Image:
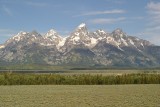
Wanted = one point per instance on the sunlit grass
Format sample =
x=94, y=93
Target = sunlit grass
x=80, y=96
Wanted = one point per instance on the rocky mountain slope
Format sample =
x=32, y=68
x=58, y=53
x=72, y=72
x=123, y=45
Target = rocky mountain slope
x=80, y=48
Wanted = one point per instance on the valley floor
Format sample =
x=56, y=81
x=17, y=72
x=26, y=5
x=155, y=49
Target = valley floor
x=80, y=96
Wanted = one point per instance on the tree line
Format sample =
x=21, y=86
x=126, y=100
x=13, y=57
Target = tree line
x=9, y=78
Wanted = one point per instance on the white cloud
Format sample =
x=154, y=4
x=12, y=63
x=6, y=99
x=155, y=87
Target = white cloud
x=154, y=12
x=152, y=30
x=7, y=10
x=153, y=6
x=116, y=11
x=107, y=20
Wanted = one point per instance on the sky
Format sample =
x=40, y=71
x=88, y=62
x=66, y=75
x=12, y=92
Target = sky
x=140, y=18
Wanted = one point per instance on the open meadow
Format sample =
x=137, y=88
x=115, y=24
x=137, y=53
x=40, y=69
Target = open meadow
x=80, y=96
x=81, y=88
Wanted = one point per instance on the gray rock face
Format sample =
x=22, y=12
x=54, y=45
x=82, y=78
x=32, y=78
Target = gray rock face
x=82, y=48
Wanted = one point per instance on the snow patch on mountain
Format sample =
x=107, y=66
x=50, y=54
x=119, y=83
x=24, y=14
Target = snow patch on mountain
x=142, y=45
x=131, y=42
x=52, y=34
x=19, y=36
x=82, y=25
x=77, y=34
x=124, y=42
x=62, y=42
x=76, y=38
x=47, y=44
x=93, y=41
x=120, y=48
x=2, y=46
x=109, y=39
x=102, y=31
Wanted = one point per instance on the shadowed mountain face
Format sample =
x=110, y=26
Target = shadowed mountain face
x=80, y=48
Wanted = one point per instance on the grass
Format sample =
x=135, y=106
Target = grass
x=80, y=96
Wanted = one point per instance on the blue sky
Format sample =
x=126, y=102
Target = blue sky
x=139, y=18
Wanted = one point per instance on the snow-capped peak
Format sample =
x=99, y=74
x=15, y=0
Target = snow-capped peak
x=118, y=30
x=118, y=33
x=22, y=32
x=34, y=32
x=82, y=25
x=19, y=35
x=52, y=34
x=53, y=38
x=81, y=30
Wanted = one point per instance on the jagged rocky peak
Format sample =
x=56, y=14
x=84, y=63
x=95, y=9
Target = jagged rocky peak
x=17, y=37
x=80, y=31
x=22, y=33
x=79, y=36
x=35, y=33
x=118, y=33
x=53, y=38
x=99, y=34
x=52, y=34
x=82, y=27
x=118, y=30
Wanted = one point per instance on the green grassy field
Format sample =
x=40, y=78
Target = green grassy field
x=80, y=96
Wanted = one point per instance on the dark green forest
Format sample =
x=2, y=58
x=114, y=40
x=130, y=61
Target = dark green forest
x=9, y=78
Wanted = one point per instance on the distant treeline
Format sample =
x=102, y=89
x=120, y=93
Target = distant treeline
x=67, y=67
x=116, y=68
x=80, y=79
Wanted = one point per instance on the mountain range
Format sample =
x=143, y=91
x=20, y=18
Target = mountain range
x=80, y=48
